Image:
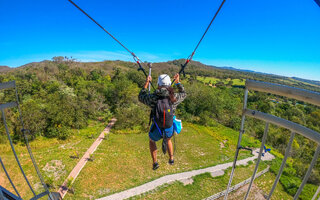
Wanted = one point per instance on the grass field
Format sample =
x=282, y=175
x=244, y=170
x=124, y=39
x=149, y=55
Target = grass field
x=241, y=82
x=225, y=81
x=123, y=161
x=52, y=157
x=204, y=186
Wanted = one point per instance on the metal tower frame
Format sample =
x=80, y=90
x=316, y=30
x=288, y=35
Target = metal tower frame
x=26, y=132
x=286, y=91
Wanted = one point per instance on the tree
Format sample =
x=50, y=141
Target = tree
x=230, y=83
x=58, y=59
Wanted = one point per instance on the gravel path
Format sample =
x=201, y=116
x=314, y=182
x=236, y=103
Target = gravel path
x=184, y=177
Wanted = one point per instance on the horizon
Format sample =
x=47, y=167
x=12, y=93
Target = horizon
x=223, y=67
x=254, y=36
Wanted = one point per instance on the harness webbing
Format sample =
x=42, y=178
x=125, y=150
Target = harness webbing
x=164, y=116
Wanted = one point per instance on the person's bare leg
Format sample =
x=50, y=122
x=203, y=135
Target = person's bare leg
x=153, y=150
x=170, y=148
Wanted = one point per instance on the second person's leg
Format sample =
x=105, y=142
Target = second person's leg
x=170, y=148
x=153, y=150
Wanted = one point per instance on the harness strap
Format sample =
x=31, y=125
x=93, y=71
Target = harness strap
x=163, y=135
x=164, y=116
x=154, y=121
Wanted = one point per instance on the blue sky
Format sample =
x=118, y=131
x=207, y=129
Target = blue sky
x=280, y=37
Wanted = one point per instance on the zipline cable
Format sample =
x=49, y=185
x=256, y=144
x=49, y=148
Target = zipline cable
x=135, y=58
x=150, y=67
x=104, y=29
x=195, y=49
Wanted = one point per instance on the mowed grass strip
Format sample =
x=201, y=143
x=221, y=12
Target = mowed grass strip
x=123, y=161
x=52, y=157
x=214, y=80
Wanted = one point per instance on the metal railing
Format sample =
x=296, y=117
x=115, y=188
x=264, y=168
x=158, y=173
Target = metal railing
x=286, y=91
x=15, y=104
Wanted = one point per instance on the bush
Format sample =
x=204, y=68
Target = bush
x=3, y=139
x=308, y=191
x=60, y=132
x=291, y=184
x=289, y=171
x=275, y=165
x=132, y=116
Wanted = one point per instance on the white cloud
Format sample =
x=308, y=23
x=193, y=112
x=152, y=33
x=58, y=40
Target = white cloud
x=95, y=56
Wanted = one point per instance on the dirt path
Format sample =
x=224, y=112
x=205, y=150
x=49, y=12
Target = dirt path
x=185, y=177
x=77, y=169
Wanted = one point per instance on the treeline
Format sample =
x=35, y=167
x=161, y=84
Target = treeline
x=302, y=150
x=205, y=105
x=57, y=96
x=197, y=68
x=63, y=94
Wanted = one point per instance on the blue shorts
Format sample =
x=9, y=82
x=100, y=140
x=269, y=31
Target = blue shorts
x=154, y=134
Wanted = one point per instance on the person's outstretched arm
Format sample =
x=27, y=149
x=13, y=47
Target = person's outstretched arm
x=181, y=95
x=145, y=97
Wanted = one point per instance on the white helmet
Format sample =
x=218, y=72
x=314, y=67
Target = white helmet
x=164, y=80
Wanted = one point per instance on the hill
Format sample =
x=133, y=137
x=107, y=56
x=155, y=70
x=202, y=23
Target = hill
x=61, y=96
x=4, y=68
x=307, y=81
x=172, y=67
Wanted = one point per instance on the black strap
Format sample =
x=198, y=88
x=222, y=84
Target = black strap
x=151, y=116
x=174, y=143
x=237, y=154
x=144, y=72
x=245, y=148
x=164, y=142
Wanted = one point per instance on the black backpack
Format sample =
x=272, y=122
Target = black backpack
x=163, y=113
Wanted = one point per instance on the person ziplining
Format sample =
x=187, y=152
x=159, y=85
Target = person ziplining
x=163, y=103
x=136, y=59
x=163, y=100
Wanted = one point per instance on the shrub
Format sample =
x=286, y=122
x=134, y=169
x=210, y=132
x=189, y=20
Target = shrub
x=132, y=116
x=308, y=191
x=291, y=184
x=60, y=132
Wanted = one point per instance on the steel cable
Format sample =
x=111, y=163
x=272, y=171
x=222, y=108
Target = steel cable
x=190, y=57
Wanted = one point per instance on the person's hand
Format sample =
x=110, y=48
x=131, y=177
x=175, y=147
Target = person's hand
x=149, y=79
x=177, y=78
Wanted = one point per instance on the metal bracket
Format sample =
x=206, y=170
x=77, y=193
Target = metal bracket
x=27, y=131
x=182, y=69
x=245, y=148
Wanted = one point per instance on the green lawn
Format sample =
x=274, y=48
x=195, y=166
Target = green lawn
x=55, y=153
x=225, y=81
x=123, y=161
x=204, y=186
